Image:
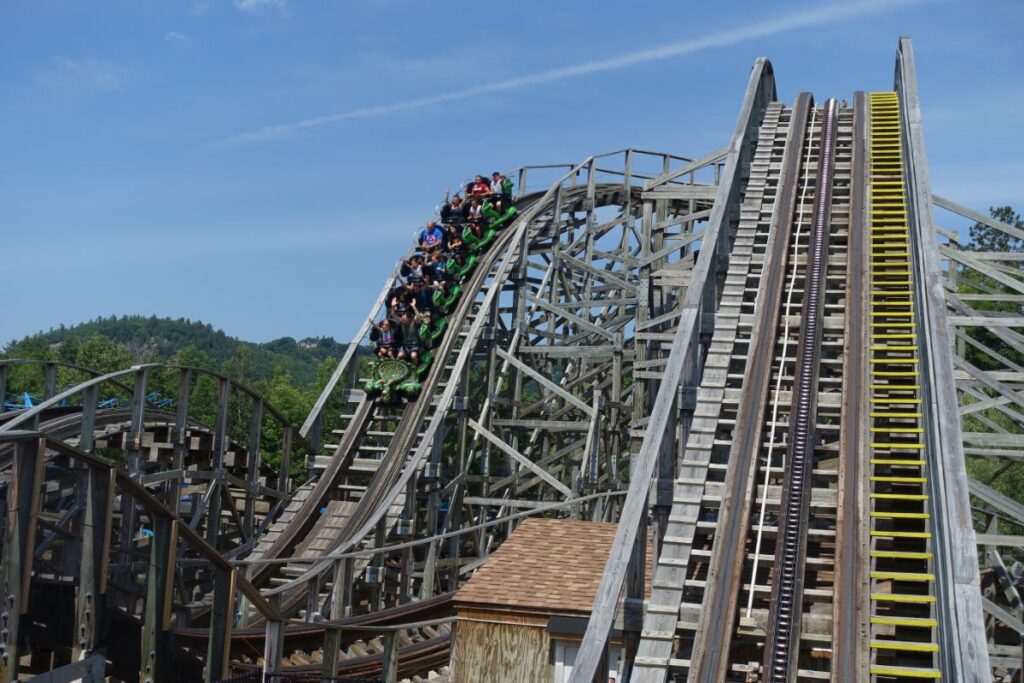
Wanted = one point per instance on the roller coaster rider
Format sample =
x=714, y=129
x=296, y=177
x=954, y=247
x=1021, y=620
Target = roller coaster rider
x=399, y=300
x=438, y=269
x=386, y=337
x=409, y=331
x=415, y=268
x=432, y=237
x=480, y=187
x=501, y=191
x=422, y=300
x=453, y=210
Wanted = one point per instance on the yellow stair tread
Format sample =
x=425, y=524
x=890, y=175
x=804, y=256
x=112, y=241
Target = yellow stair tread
x=900, y=515
x=899, y=496
x=900, y=534
x=900, y=555
x=902, y=597
x=905, y=672
x=923, y=622
x=906, y=645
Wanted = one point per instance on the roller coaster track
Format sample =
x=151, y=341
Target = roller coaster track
x=777, y=342
x=788, y=577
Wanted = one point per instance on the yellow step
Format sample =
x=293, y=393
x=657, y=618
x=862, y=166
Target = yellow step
x=904, y=645
x=905, y=672
x=900, y=534
x=901, y=555
x=899, y=496
x=921, y=622
x=901, y=515
x=902, y=597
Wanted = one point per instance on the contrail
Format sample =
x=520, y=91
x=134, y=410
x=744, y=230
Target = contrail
x=800, y=19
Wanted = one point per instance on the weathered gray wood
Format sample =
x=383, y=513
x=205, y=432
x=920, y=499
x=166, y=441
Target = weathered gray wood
x=218, y=652
x=544, y=381
x=1001, y=539
x=1003, y=615
x=156, y=655
x=760, y=91
x=19, y=539
x=520, y=458
x=91, y=599
x=957, y=575
x=977, y=217
x=92, y=669
x=390, y=658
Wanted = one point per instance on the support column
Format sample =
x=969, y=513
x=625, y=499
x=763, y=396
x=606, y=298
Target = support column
x=341, y=607
x=273, y=644
x=91, y=602
x=156, y=651
x=19, y=539
x=390, y=657
x=180, y=438
x=252, y=476
x=222, y=620
x=220, y=446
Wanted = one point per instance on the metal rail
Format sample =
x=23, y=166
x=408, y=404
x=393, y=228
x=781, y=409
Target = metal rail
x=784, y=621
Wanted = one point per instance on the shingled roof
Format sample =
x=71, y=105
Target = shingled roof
x=550, y=565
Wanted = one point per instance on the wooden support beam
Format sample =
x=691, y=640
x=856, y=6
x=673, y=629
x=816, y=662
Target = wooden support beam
x=91, y=609
x=252, y=473
x=273, y=646
x=1001, y=539
x=50, y=381
x=221, y=440
x=977, y=217
x=1003, y=615
x=222, y=619
x=163, y=548
x=90, y=398
x=180, y=438
x=520, y=458
x=19, y=539
x=92, y=669
x=570, y=317
x=544, y=381
x=390, y=657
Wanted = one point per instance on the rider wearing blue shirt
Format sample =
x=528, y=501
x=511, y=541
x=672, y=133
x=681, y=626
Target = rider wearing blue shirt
x=431, y=237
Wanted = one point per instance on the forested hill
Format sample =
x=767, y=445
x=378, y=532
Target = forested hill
x=151, y=339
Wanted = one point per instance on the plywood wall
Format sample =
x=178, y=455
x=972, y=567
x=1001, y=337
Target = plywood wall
x=500, y=653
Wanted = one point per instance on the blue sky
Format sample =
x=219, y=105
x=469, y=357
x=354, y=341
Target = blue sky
x=260, y=164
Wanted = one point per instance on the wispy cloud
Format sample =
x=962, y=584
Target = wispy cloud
x=85, y=75
x=805, y=18
x=261, y=5
x=179, y=39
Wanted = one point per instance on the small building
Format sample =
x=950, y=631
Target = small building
x=522, y=616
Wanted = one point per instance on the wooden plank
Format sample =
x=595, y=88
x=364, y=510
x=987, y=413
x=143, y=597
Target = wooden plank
x=520, y=458
x=967, y=654
x=986, y=320
x=571, y=317
x=544, y=381
x=760, y=90
x=950, y=205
